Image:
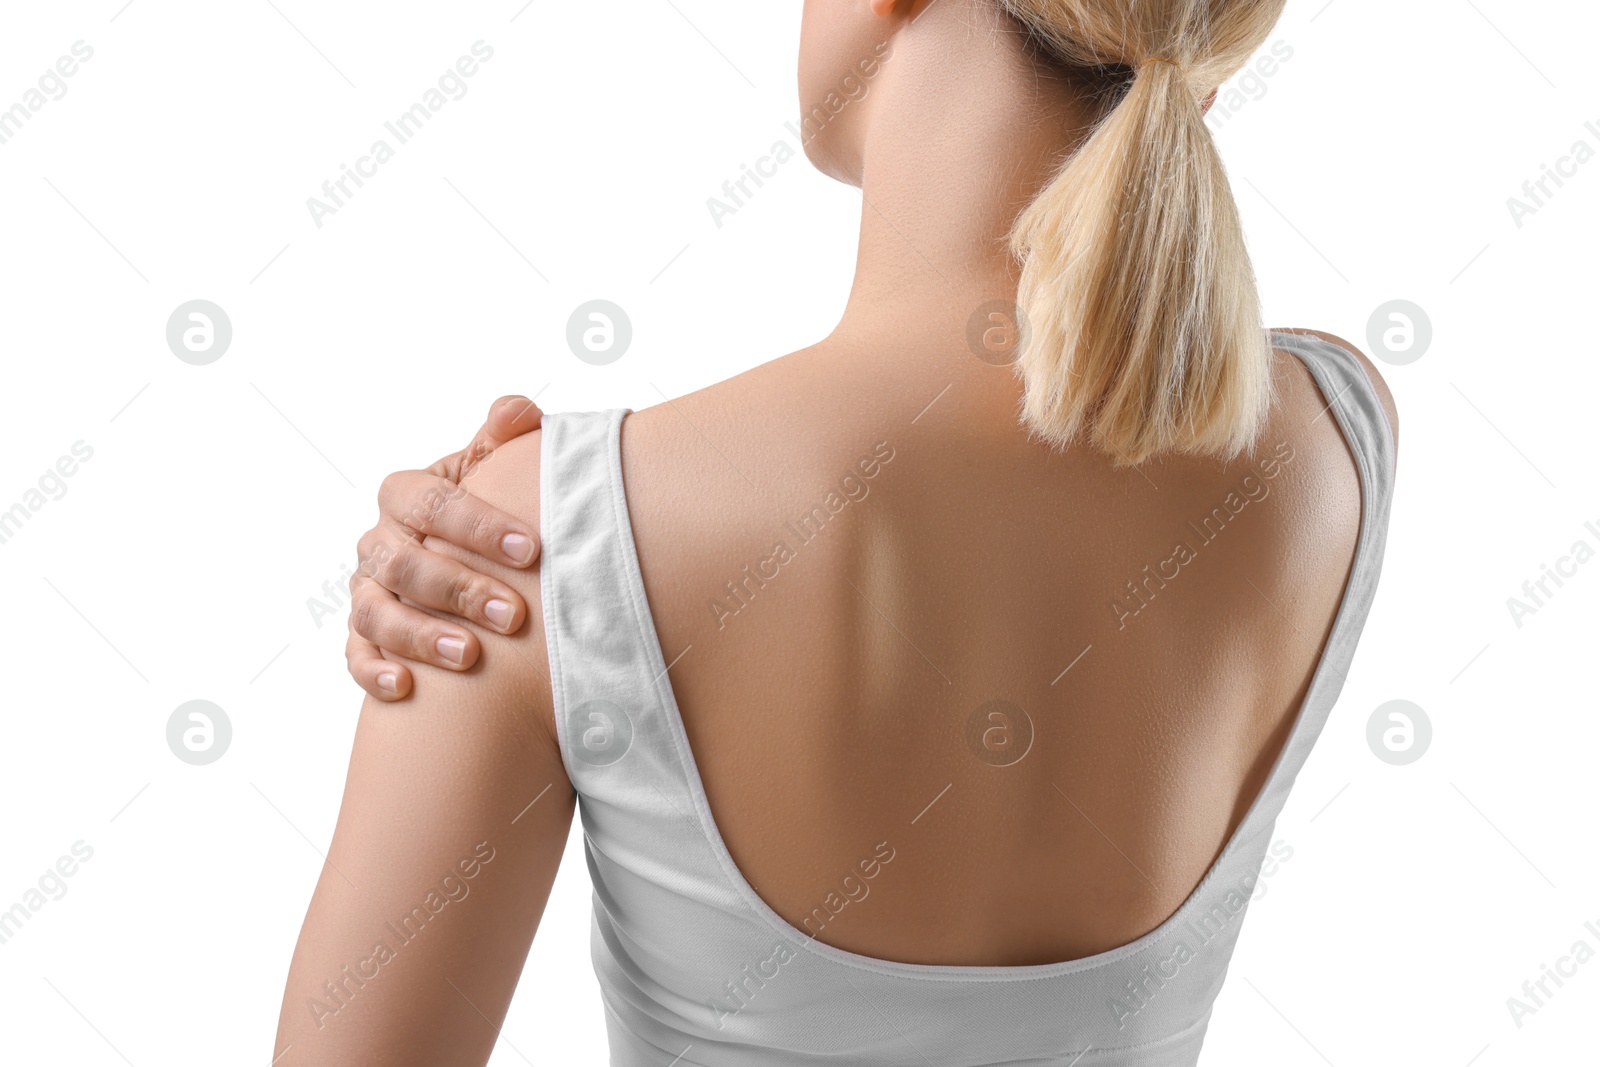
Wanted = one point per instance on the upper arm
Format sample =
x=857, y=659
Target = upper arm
x=455, y=816
x=1379, y=386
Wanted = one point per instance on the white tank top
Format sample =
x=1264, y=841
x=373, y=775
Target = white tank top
x=697, y=971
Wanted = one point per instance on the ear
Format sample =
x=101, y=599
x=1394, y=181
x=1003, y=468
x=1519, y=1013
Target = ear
x=1211, y=98
x=886, y=7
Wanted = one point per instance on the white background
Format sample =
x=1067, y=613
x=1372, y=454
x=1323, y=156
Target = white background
x=1375, y=164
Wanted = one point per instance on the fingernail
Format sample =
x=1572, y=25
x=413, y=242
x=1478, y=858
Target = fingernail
x=517, y=546
x=453, y=649
x=389, y=682
x=498, y=612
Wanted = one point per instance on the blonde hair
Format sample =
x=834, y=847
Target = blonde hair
x=1145, y=323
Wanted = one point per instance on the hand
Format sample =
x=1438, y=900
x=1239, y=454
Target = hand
x=394, y=564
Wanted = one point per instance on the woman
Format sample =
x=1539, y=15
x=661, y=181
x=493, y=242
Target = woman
x=905, y=731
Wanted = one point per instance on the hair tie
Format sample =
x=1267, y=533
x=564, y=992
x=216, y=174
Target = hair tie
x=1162, y=59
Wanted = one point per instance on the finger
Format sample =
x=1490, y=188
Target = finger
x=449, y=467
x=410, y=632
x=433, y=580
x=383, y=679
x=430, y=505
x=509, y=417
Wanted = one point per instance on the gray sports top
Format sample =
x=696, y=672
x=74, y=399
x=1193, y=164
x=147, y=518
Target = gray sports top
x=695, y=969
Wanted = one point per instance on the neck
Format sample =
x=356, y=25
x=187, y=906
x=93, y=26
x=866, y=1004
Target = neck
x=960, y=132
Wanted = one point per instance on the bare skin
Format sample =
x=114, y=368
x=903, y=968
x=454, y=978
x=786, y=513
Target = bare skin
x=830, y=711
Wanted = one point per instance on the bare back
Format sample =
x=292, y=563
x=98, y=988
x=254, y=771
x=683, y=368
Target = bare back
x=953, y=699
x=1034, y=692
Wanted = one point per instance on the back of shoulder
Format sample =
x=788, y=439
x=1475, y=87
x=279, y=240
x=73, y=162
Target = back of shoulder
x=1379, y=386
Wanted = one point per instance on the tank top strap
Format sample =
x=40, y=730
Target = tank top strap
x=1353, y=403
x=605, y=661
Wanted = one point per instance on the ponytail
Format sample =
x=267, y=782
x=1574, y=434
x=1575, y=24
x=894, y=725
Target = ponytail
x=1145, y=323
